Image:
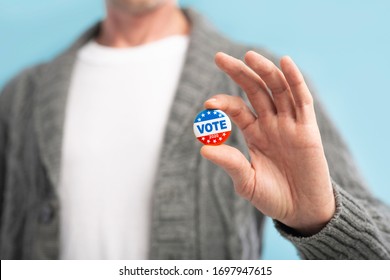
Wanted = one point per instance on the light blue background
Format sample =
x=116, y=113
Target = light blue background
x=342, y=45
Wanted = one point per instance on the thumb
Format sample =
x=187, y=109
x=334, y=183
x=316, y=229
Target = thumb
x=235, y=164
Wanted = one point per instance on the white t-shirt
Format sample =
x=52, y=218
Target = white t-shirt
x=117, y=109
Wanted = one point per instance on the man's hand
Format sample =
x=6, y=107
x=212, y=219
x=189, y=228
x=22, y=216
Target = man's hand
x=288, y=177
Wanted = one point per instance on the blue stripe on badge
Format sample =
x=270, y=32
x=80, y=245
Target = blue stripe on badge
x=207, y=115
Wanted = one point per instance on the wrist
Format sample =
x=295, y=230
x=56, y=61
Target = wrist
x=314, y=219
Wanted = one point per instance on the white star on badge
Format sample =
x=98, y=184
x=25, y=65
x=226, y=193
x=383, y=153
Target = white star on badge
x=220, y=138
x=208, y=141
x=208, y=112
x=203, y=138
x=219, y=115
x=203, y=115
x=224, y=134
x=199, y=119
x=215, y=141
x=215, y=113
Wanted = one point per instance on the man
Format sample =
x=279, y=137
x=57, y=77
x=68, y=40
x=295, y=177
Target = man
x=98, y=159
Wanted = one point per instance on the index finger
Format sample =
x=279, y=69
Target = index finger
x=235, y=107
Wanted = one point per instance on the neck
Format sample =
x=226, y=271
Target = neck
x=123, y=29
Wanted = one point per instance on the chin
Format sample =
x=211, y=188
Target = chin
x=137, y=6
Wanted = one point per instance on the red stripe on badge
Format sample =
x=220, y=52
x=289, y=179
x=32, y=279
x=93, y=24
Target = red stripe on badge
x=214, y=139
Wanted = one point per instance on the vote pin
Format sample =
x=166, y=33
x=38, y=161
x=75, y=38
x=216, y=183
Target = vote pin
x=212, y=127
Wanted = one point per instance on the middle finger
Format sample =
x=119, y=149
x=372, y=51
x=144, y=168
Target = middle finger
x=274, y=80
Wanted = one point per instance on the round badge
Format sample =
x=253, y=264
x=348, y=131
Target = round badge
x=212, y=127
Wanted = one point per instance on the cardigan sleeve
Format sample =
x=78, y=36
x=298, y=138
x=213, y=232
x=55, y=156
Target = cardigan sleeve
x=3, y=138
x=358, y=230
x=5, y=95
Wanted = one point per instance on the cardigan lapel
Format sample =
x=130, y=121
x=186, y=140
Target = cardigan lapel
x=50, y=106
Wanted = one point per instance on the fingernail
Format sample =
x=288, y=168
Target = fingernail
x=211, y=100
x=289, y=59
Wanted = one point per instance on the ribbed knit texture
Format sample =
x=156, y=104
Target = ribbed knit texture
x=351, y=234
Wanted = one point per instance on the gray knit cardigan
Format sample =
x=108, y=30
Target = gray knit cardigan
x=196, y=213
